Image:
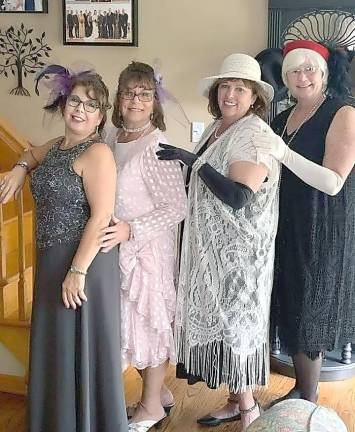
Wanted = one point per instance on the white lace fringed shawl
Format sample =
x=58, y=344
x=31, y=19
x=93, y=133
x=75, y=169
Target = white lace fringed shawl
x=226, y=274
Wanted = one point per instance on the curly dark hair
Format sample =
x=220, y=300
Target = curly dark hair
x=92, y=82
x=260, y=106
x=143, y=75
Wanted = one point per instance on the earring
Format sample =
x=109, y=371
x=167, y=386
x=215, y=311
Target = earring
x=97, y=129
x=151, y=116
x=288, y=97
x=252, y=106
x=120, y=118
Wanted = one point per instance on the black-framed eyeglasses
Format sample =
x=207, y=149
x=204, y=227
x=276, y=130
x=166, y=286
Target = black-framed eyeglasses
x=90, y=105
x=143, y=96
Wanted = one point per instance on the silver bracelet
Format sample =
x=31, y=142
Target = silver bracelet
x=197, y=164
x=76, y=270
x=24, y=165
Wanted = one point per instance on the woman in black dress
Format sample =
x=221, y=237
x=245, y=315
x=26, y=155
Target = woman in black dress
x=75, y=380
x=315, y=270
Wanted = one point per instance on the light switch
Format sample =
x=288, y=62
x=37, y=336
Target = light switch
x=197, y=129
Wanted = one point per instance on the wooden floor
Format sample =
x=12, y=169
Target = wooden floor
x=197, y=400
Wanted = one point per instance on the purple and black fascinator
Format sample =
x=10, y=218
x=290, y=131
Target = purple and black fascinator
x=59, y=80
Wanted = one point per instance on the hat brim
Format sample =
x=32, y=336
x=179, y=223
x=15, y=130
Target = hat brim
x=206, y=83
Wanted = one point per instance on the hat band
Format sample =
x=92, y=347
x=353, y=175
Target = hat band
x=307, y=44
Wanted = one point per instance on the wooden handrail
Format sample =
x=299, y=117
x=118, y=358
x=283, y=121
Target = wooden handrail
x=12, y=138
x=21, y=284
x=2, y=244
x=2, y=260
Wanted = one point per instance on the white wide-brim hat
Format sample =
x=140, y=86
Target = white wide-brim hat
x=238, y=66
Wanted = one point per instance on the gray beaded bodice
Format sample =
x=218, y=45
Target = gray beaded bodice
x=62, y=209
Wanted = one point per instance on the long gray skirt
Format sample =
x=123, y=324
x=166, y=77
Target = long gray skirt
x=75, y=361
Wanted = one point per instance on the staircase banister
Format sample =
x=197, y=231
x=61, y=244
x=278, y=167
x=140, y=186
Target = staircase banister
x=12, y=138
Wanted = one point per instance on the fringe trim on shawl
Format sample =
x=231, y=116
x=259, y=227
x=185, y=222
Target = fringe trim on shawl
x=239, y=373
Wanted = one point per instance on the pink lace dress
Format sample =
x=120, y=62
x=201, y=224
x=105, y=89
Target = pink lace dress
x=151, y=197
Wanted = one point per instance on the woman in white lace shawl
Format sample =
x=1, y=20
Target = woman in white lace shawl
x=222, y=318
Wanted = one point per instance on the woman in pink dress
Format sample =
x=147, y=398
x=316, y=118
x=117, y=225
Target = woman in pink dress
x=151, y=202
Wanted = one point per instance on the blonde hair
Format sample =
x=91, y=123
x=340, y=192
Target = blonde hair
x=299, y=56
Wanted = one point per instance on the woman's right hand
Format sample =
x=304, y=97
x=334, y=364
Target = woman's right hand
x=115, y=234
x=12, y=183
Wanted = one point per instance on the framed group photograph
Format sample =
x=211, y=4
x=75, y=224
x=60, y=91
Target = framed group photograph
x=100, y=22
x=27, y=6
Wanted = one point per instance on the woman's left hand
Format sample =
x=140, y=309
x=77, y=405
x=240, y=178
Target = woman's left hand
x=73, y=290
x=114, y=234
x=175, y=153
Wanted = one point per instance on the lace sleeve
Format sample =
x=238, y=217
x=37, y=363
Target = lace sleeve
x=165, y=184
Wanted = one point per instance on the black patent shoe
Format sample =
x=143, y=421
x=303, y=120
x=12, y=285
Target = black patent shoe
x=209, y=420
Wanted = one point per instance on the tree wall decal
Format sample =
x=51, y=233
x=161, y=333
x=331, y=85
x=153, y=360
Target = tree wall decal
x=21, y=56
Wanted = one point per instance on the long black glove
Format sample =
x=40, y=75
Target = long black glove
x=173, y=153
x=235, y=194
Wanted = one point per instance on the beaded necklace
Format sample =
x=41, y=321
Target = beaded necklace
x=306, y=118
x=138, y=129
x=141, y=135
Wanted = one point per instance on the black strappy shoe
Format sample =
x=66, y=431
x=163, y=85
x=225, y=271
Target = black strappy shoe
x=209, y=420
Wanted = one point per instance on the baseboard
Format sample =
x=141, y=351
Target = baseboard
x=13, y=384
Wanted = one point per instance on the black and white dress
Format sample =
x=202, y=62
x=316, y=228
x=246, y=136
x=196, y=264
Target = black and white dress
x=226, y=273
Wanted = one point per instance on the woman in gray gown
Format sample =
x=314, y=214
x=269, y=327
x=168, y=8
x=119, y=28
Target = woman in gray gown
x=75, y=380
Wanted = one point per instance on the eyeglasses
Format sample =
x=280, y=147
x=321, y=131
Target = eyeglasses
x=143, y=96
x=307, y=70
x=90, y=105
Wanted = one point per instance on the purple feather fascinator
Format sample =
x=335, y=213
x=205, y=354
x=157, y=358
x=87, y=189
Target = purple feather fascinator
x=165, y=97
x=58, y=80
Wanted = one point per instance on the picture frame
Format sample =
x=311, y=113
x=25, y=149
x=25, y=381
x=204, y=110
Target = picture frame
x=100, y=22
x=23, y=6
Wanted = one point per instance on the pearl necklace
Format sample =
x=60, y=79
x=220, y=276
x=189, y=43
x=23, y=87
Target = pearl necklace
x=141, y=135
x=139, y=129
x=306, y=118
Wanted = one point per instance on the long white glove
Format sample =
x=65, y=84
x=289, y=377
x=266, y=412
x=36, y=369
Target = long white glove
x=317, y=176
